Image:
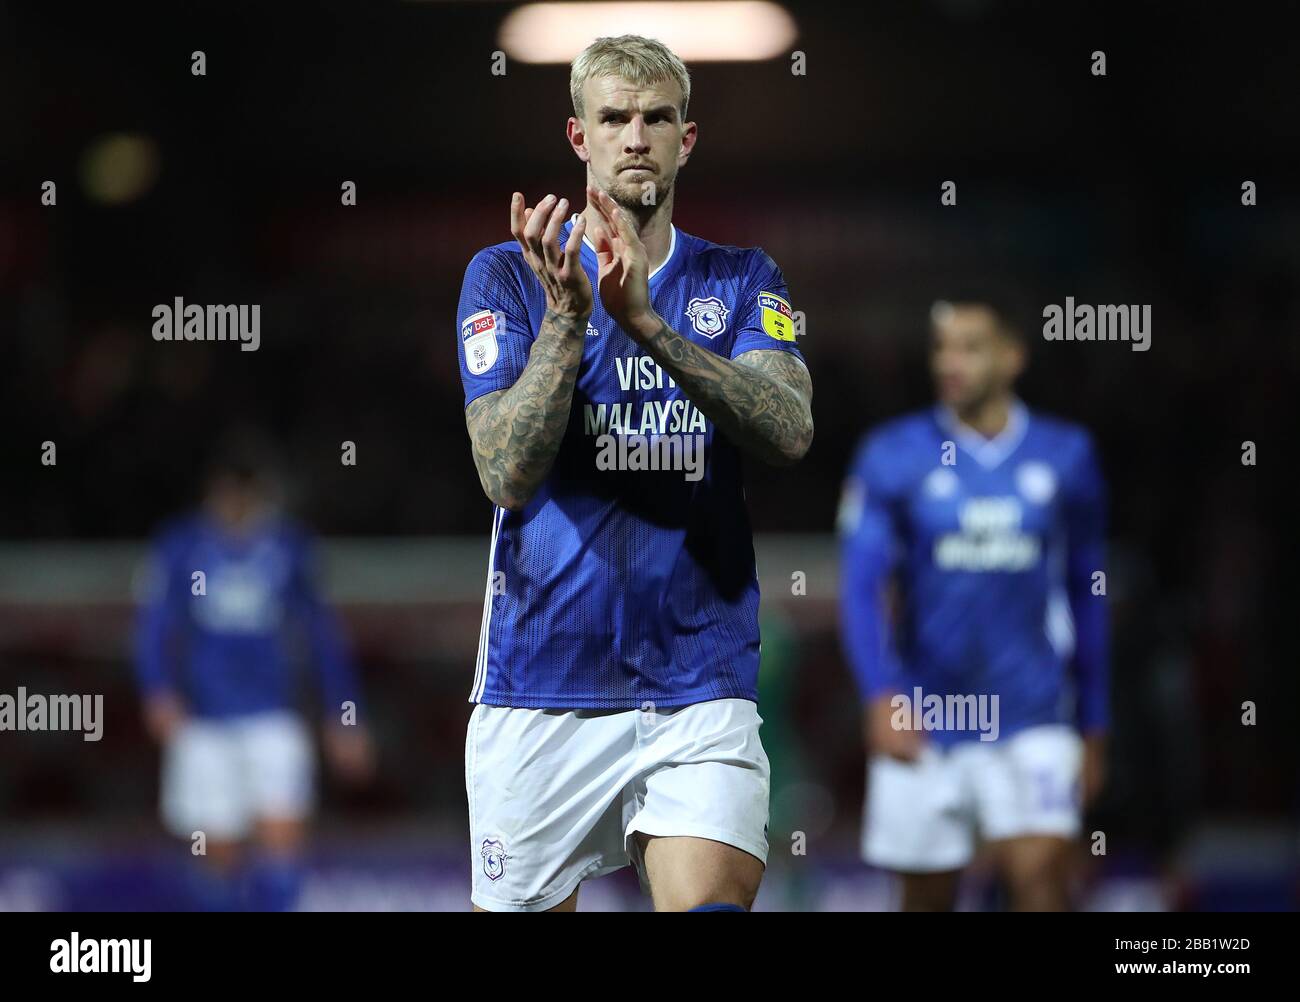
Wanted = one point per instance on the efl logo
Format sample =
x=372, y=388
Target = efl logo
x=479, y=336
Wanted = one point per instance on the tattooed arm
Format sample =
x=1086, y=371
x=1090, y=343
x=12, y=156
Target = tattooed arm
x=761, y=400
x=516, y=433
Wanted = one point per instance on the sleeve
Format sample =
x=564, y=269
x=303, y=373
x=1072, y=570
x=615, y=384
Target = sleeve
x=161, y=592
x=494, y=332
x=869, y=548
x=329, y=651
x=766, y=320
x=1085, y=515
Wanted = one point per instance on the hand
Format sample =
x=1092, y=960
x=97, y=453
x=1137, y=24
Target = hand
x=624, y=268
x=568, y=290
x=1093, y=777
x=350, y=752
x=164, y=713
x=883, y=738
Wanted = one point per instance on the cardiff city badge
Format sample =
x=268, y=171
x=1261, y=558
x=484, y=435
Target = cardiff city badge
x=708, y=316
x=494, y=856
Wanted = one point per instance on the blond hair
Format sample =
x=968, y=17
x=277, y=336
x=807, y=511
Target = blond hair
x=638, y=60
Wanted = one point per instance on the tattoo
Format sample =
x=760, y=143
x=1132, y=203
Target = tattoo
x=761, y=400
x=516, y=433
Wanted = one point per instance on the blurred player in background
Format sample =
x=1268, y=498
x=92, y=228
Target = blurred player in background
x=214, y=661
x=971, y=537
x=616, y=681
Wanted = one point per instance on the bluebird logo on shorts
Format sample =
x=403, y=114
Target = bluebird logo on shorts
x=494, y=858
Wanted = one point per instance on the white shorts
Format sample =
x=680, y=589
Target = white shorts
x=219, y=776
x=556, y=795
x=925, y=816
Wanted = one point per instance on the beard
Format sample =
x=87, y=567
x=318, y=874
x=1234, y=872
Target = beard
x=976, y=397
x=628, y=194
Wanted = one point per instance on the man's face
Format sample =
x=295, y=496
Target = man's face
x=236, y=501
x=970, y=358
x=633, y=138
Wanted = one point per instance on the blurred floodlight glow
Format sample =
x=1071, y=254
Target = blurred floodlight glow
x=724, y=31
x=119, y=168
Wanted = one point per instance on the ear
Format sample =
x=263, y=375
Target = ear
x=577, y=136
x=1017, y=359
x=690, y=134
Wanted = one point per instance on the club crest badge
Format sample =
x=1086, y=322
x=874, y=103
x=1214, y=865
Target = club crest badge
x=1036, y=482
x=494, y=858
x=708, y=316
x=940, y=483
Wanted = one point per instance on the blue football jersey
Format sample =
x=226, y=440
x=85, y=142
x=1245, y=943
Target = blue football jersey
x=623, y=583
x=228, y=643
x=995, y=546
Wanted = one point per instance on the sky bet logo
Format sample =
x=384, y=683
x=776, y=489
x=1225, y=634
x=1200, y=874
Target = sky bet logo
x=776, y=316
x=479, y=335
x=477, y=325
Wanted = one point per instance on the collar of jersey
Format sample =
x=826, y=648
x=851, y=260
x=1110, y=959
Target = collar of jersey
x=589, y=249
x=988, y=452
